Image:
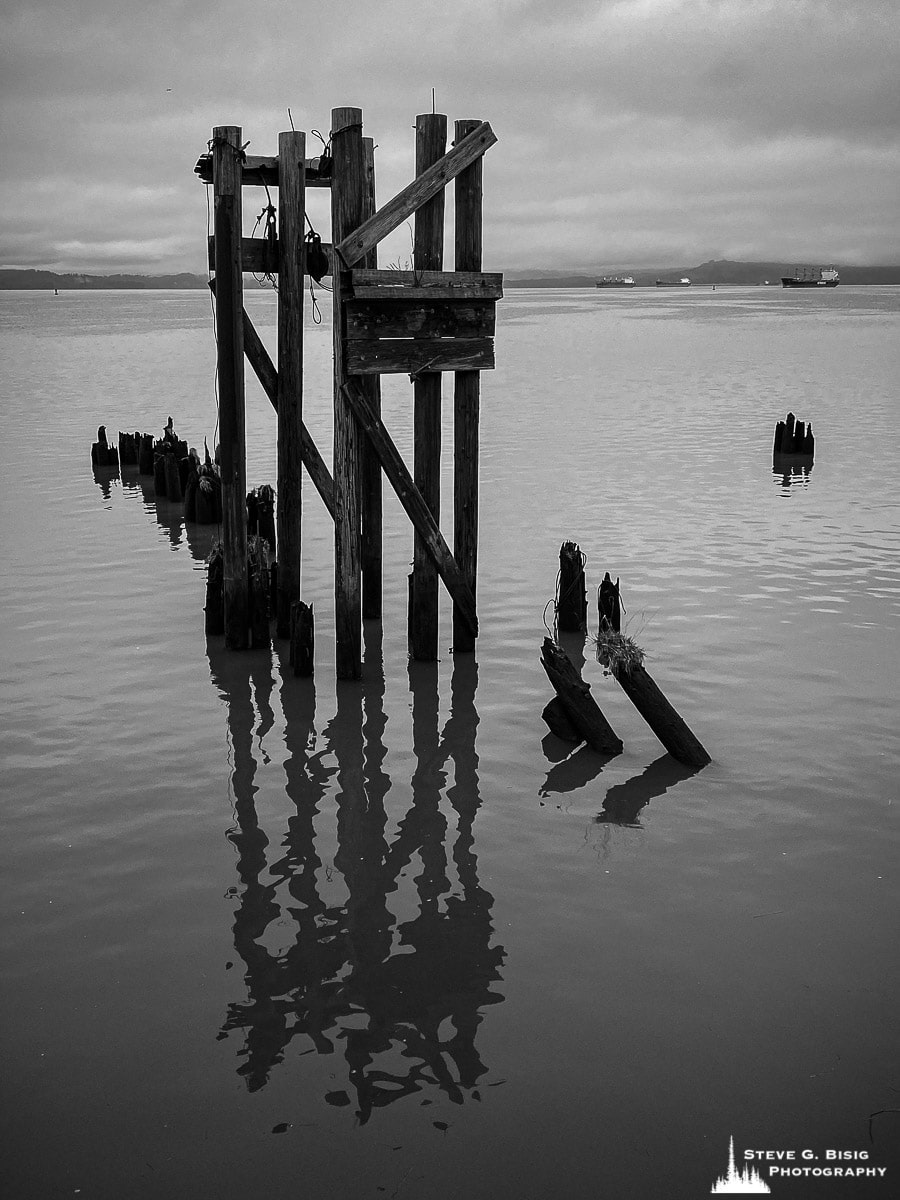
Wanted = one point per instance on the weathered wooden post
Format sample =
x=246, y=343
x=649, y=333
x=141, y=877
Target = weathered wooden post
x=226, y=156
x=577, y=704
x=349, y=189
x=372, y=501
x=571, y=603
x=291, y=216
x=466, y=393
x=428, y=255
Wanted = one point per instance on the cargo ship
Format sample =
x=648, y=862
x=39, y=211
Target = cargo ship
x=615, y=281
x=806, y=277
x=682, y=282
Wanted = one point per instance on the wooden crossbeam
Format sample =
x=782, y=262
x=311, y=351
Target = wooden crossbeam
x=258, y=358
x=254, y=254
x=388, y=218
x=411, y=498
x=416, y=356
x=262, y=171
x=403, y=319
x=404, y=286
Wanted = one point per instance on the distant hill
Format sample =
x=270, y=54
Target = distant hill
x=716, y=271
x=15, y=280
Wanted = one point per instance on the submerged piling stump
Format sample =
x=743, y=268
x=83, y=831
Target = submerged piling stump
x=302, y=638
x=621, y=658
x=580, y=707
x=215, y=591
x=173, y=478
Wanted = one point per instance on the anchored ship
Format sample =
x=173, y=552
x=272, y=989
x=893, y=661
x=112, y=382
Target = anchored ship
x=615, y=281
x=682, y=282
x=806, y=277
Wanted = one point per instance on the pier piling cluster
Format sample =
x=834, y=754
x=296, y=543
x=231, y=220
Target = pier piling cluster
x=573, y=714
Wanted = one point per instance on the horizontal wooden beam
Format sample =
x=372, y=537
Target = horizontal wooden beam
x=267, y=374
x=368, y=319
x=253, y=254
x=416, y=356
x=262, y=171
x=413, y=503
x=414, y=195
x=425, y=285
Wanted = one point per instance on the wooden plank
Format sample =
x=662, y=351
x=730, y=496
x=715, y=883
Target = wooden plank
x=415, y=355
x=262, y=171
x=372, y=493
x=369, y=233
x=291, y=220
x=468, y=222
x=348, y=201
x=264, y=368
x=425, y=286
x=230, y=370
x=254, y=257
x=371, y=319
x=428, y=255
x=409, y=496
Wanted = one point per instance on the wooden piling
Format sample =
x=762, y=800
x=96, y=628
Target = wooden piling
x=372, y=498
x=348, y=203
x=226, y=154
x=145, y=454
x=609, y=611
x=582, y=710
x=258, y=585
x=291, y=215
x=466, y=392
x=302, y=639
x=173, y=478
x=571, y=602
x=428, y=255
x=622, y=659
x=215, y=591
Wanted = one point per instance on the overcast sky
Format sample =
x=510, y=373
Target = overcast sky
x=638, y=133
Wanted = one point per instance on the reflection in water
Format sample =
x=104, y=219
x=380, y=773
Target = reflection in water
x=791, y=471
x=624, y=801
x=402, y=998
x=104, y=477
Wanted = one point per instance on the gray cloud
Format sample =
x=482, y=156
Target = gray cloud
x=629, y=132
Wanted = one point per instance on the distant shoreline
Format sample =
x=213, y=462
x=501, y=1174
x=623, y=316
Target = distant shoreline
x=722, y=272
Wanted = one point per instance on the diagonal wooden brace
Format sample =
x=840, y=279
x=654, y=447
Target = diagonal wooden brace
x=425, y=186
x=411, y=498
x=258, y=358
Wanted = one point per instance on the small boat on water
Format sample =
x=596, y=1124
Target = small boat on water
x=682, y=282
x=806, y=277
x=617, y=281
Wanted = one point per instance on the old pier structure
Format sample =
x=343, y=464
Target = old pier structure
x=420, y=322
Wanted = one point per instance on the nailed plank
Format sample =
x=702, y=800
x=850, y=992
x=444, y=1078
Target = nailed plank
x=417, y=355
x=254, y=255
x=261, y=170
x=355, y=246
x=369, y=319
x=426, y=286
x=413, y=503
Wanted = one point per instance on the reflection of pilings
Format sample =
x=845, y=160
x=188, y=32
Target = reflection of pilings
x=257, y=907
x=405, y=981
x=624, y=801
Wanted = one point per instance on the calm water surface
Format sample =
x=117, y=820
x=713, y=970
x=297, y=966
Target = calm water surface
x=268, y=938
